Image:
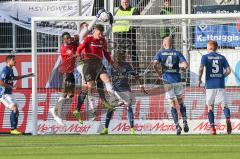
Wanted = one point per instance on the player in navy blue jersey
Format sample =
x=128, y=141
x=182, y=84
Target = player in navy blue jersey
x=120, y=78
x=6, y=87
x=217, y=68
x=171, y=63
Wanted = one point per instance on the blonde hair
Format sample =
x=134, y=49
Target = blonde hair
x=213, y=44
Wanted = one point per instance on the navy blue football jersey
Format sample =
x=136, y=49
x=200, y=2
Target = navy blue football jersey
x=7, y=77
x=170, y=60
x=120, y=77
x=215, y=65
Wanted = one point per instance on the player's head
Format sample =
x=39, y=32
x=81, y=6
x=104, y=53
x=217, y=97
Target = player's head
x=66, y=38
x=167, y=3
x=10, y=60
x=125, y=3
x=167, y=42
x=98, y=31
x=119, y=56
x=212, y=46
x=83, y=25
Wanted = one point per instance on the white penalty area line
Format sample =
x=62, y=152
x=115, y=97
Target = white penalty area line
x=122, y=145
x=158, y=145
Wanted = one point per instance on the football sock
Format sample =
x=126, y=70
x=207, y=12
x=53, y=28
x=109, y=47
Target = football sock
x=100, y=89
x=80, y=101
x=174, y=115
x=183, y=112
x=211, y=118
x=130, y=116
x=226, y=111
x=14, y=120
x=108, y=118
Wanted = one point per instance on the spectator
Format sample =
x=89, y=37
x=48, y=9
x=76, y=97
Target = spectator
x=166, y=10
x=125, y=35
x=132, y=3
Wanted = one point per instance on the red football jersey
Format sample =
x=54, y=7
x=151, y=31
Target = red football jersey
x=91, y=48
x=68, y=54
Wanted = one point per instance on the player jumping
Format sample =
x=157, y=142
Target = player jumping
x=95, y=46
x=217, y=68
x=120, y=79
x=6, y=87
x=68, y=51
x=170, y=60
x=83, y=93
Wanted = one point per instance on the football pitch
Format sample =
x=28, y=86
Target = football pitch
x=120, y=147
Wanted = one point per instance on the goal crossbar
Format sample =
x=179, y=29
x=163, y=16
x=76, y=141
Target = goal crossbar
x=144, y=17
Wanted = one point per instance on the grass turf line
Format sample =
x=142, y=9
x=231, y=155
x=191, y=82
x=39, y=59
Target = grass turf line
x=120, y=146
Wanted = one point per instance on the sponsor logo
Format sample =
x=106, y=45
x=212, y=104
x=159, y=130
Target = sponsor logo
x=72, y=128
x=158, y=127
x=223, y=38
x=205, y=126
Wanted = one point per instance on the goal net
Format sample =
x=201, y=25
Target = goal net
x=143, y=40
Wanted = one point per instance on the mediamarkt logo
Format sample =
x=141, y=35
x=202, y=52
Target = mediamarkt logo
x=205, y=126
x=74, y=128
x=195, y=127
x=145, y=127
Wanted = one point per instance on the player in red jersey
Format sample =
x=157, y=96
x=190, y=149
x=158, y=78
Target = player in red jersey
x=95, y=46
x=68, y=55
x=83, y=93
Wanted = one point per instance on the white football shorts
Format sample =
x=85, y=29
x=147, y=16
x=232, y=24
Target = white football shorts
x=216, y=96
x=128, y=97
x=172, y=91
x=8, y=100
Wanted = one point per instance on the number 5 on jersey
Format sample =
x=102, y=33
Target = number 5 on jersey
x=215, y=66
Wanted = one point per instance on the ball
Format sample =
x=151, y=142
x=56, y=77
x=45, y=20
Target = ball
x=104, y=17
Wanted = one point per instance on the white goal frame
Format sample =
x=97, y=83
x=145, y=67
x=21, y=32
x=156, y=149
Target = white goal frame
x=34, y=21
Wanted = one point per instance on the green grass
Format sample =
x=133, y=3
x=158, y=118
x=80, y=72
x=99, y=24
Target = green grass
x=120, y=147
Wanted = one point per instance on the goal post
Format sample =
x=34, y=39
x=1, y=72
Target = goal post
x=148, y=41
x=34, y=79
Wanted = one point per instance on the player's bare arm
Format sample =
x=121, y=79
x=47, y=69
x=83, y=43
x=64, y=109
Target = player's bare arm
x=4, y=84
x=82, y=46
x=23, y=76
x=140, y=82
x=227, y=72
x=156, y=68
x=183, y=66
x=200, y=72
